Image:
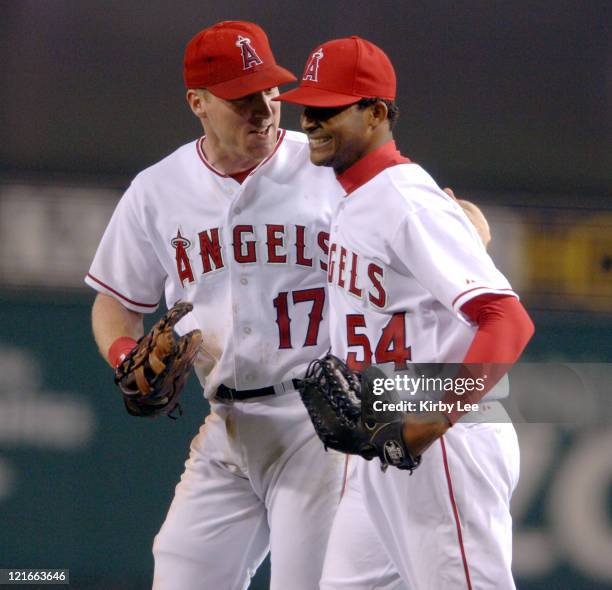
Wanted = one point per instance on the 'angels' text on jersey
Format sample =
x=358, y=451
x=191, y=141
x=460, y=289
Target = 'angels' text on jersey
x=271, y=243
x=365, y=283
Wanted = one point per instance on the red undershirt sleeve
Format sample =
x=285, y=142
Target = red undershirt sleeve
x=504, y=329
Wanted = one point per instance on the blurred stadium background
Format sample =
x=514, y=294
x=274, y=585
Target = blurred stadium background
x=507, y=102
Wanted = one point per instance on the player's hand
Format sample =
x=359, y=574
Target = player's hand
x=420, y=431
x=475, y=215
x=152, y=375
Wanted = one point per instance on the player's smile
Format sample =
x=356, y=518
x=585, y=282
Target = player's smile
x=260, y=141
x=262, y=132
x=317, y=142
x=336, y=135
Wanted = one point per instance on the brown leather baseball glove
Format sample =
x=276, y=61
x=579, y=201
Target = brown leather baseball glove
x=151, y=377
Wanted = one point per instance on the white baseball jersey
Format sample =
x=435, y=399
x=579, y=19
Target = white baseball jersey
x=251, y=257
x=403, y=260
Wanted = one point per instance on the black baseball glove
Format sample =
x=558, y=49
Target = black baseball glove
x=151, y=377
x=340, y=403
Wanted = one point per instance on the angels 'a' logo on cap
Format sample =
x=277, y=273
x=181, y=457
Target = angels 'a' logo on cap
x=312, y=69
x=249, y=55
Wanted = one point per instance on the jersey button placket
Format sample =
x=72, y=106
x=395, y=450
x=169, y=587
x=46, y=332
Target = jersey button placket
x=239, y=295
x=339, y=212
x=244, y=290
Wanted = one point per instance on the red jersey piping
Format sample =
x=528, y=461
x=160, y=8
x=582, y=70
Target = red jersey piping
x=345, y=476
x=466, y=569
x=119, y=294
x=202, y=155
x=476, y=289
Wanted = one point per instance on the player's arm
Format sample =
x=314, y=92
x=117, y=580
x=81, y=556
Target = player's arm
x=504, y=329
x=116, y=328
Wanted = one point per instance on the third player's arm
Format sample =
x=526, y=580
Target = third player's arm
x=475, y=215
x=112, y=320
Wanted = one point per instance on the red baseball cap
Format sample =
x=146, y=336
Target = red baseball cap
x=342, y=72
x=232, y=59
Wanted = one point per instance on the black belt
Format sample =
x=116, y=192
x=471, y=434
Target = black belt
x=229, y=395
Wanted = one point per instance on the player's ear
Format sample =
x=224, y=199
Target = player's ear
x=197, y=102
x=378, y=113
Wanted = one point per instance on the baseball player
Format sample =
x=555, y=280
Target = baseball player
x=409, y=281
x=237, y=224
